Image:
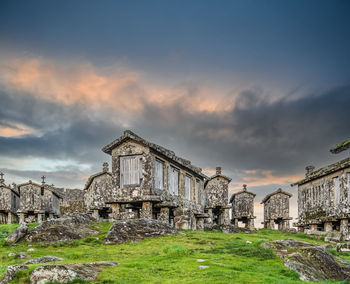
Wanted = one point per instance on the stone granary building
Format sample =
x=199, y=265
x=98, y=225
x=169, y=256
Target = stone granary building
x=149, y=181
x=276, y=210
x=37, y=202
x=324, y=196
x=9, y=202
x=72, y=200
x=243, y=208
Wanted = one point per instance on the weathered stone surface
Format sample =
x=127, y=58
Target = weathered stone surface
x=9, y=202
x=18, y=234
x=11, y=272
x=66, y=228
x=43, y=259
x=67, y=273
x=134, y=230
x=313, y=263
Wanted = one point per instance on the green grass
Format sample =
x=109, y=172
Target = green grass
x=170, y=259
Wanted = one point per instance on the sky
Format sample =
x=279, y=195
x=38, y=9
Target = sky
x=260, y=88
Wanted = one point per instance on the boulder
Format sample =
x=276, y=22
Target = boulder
x=333, y=237
x=64, y=229
x=311, y=262
x=11, y=272
x=18, y=234
x=133, y=230
x=67, y=273
x=43, y=259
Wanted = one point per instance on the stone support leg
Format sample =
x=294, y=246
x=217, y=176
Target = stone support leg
x=200, y=224
x=210, y=218
x=271, y=224
x=286, y=225
x=21, y=217
x=226, y=216
x=181, y=219
x=235, y=222
x=313, y=227
x=146, y=211
x=300, y=229
x=95, y=214
x=39, y=217
x=10, y=218
x=328, y=227
x=164, y=215
x=115, y=215
x=344, y=227
x=250, y=224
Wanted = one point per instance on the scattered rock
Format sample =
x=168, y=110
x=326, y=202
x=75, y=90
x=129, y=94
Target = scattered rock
x=313, y=263
x=11, y=272
x=229, y=229
x=64, y=229
x=203, y=267
x=30, y=249
x=181, y=233
x=18, y=234
x=133, y=230
x=333, y=237
x=248, y=242
x=23, y=255
x=201, y=260
x=11, y=254
x=67, y=273
x=43, y=259
x=218, y=263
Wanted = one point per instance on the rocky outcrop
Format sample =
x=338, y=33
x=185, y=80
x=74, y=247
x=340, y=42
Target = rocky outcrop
x=311, y=262
x=11, y=272
x=18, y=234
x=133, y=230
x=43, y=259
x=67, y=228
x=67, y=273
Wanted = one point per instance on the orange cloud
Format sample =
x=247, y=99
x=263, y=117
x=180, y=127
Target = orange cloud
x=15, y=130
x=113, y=87
x=262, y=178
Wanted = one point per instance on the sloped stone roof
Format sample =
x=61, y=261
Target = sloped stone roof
x=91, y=178
x=325, y=171
x=51, y=188
x=129, y=135
x=267, y=197
x=345, y=145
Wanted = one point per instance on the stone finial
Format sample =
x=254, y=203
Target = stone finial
x=279, y=190
x=2, y=179
x=43, y=180
x=218, y=170
x=309, y=170
x=244, y=187
x=30, y=181
x=105, y=167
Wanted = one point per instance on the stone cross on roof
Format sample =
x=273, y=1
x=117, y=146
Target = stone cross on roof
x=2, y=178
x=43, y=179
x=244, y=187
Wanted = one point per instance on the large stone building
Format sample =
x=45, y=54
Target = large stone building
x=276, y=210
x=243, y=208
x=149, y=181
x=9, y=202
x=324, y=196
x=37, y=202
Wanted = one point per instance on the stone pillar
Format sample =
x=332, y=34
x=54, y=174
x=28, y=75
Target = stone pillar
x=328, y=227
x=21, y=217
x=181, y=219
x=250, y=224
x=51, y=216
x=280, y=226
x=344, y=227
x=235, y=222
x=10, y=218
x=313, y=227
x=286, y=224
x=210, y=218
x=164, y=215
x=146, y=211
x=226, y=216
x=300, y=229
x=115, y=215
x=200, y=224
x=271, y=224
x=95, y=214
x=39, y=217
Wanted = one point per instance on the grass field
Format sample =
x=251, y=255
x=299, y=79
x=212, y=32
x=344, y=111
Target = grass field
x=171, y=259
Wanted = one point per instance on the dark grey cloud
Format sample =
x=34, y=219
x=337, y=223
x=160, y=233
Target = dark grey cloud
x=282, y=135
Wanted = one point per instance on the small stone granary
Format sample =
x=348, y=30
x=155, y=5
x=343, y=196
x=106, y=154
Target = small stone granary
x=276, y=210
x=72, y=200
x=149, y=181
x=324, y=196
x=9, y=202
x=216, y=203
x=243, y=208
x=97, y=189
x=37, y=202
